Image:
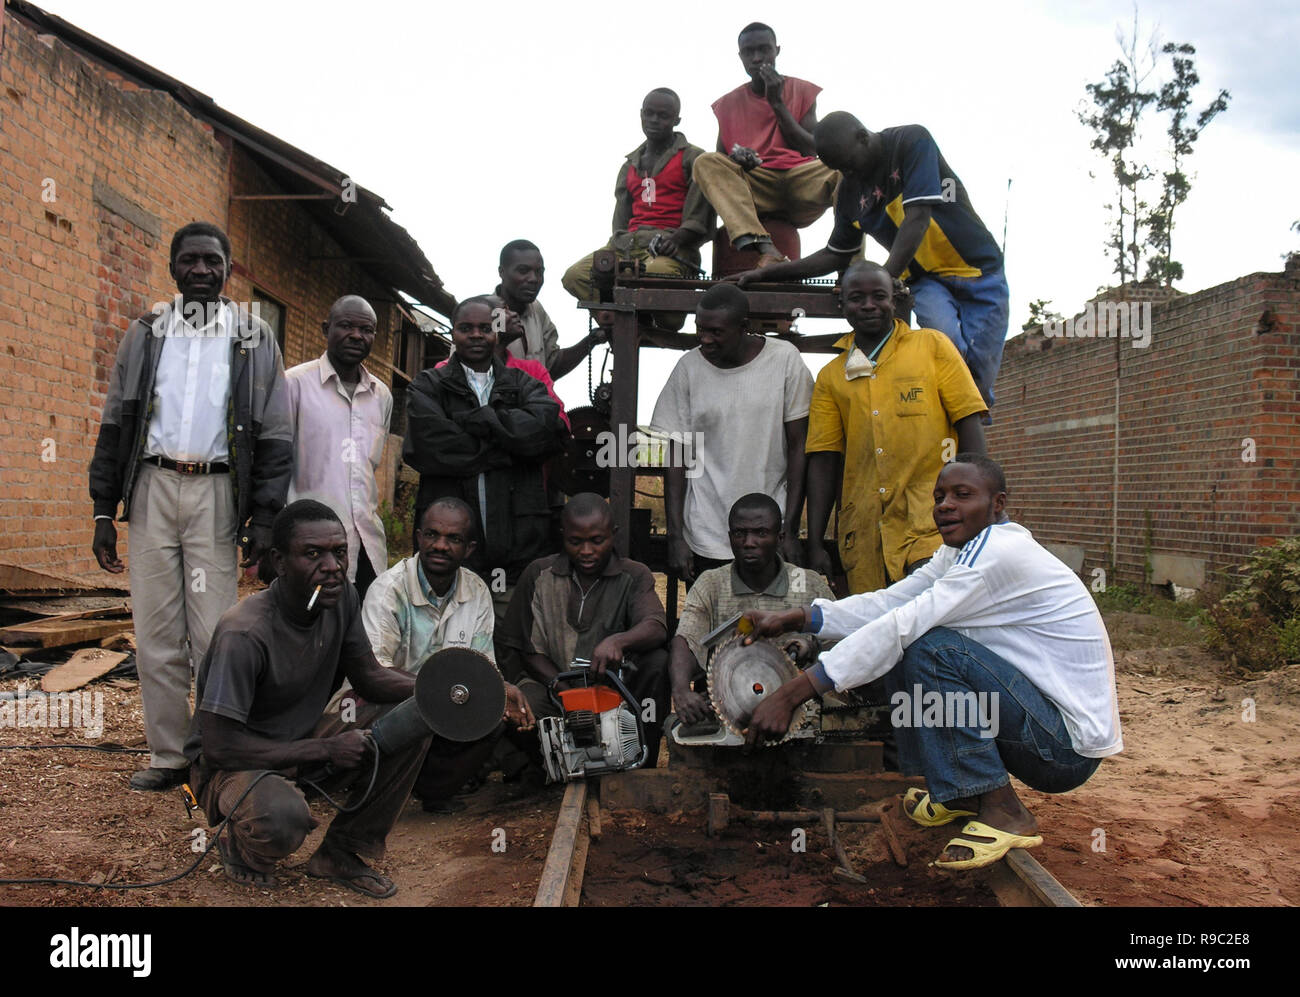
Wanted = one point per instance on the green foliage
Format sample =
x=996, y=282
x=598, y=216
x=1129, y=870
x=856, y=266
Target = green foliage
x=1040, y=313
x=399, y=522
x=1126, y=598
x=1118, y=103
x=1257, y=624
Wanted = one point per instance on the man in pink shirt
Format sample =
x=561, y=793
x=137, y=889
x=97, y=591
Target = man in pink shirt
x=766, y=162
x=341, y=413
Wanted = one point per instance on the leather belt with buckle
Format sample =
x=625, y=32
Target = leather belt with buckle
x=188, y=466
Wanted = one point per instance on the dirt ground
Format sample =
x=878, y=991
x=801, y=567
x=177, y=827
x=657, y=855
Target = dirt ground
x=1202, y=808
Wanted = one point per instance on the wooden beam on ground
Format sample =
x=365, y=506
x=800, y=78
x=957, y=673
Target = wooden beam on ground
x=82, y=668
x=60, y=633
x=555, y=890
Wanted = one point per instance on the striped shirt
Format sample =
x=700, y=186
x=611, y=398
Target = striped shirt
x=1005, y=592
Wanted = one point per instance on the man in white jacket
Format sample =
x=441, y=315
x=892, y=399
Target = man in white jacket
x=997, y=662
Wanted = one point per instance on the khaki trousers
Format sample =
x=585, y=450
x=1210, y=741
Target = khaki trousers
x=631, y=246
x=800, y=195
x=184, y=574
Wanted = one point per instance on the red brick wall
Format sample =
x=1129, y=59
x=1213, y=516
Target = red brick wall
x=120, y=169
x=1207, y=382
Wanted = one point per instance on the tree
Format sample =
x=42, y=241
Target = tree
x=1118, y=103
x=1176, y=99
x=1040, y=313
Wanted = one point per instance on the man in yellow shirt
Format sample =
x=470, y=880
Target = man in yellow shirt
x=894, y=407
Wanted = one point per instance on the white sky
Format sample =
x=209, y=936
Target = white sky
x=492, y=121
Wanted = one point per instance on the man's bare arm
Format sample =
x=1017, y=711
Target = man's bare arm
x=970, y=434
x=916, y=221
x=231, y=746
x=822, y=262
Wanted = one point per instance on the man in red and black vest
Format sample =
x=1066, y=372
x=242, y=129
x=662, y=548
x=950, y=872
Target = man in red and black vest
x=660, y=215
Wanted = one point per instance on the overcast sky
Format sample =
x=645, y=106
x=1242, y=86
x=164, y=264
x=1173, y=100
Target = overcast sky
x=480, y=123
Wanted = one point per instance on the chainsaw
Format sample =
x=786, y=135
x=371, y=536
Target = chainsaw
x=598, y=730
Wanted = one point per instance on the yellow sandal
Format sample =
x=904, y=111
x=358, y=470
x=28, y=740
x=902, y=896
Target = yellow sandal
x=986, y=852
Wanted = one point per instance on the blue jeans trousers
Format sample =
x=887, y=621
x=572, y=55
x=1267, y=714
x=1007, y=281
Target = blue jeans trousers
x=973, y=313
x=987, y=720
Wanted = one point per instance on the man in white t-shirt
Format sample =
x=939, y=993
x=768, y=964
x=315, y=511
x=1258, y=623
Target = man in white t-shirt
x=997, y=662
x=739, y=405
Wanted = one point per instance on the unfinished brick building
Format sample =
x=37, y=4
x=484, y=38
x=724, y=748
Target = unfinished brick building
x=102, y=158
x=1206, y=461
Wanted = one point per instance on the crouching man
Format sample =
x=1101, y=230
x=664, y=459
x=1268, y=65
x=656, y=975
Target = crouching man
x=587, y=603
x=274, y=661
x=418, y=607
x=997, y=662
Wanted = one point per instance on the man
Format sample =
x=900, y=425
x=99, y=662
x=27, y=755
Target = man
x=197, y=447
x=588, y=603
x=660, y=214
x=530, y=333
x=765, y=161
x=739, y=404
x=994, y=628
x=503, y=317
x=340, y=414
x=757, y=579
x=899, y=190
x=418, y=607
x=263, y=685
x=892, y=408
x=480, y=431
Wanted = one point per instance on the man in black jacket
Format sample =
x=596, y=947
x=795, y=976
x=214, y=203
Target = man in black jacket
x=481, y=431
x=196, y=446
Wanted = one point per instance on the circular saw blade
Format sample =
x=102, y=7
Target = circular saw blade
x=460, y=694
x=741, y=676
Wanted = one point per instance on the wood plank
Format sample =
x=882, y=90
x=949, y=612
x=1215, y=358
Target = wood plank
x=83, y=667
x=62, y=605
x=553, y=888
x=60, y=633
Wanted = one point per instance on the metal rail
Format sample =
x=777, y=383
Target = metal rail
x=1017, y=881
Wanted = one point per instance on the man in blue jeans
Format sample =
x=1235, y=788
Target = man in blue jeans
x=997, y=662
x=898, y=189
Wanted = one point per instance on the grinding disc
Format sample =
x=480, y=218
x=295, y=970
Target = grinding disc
x=741, y=676
x=460, y=694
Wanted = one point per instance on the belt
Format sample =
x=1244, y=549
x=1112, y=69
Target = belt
x=188, y=466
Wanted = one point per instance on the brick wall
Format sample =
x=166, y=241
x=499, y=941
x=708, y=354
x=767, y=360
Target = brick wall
x=1207, y=390
x=95, y=176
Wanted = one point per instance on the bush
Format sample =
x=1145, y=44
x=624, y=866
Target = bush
x=1257, y=624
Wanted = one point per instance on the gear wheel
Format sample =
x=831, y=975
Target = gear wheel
x=741, y=676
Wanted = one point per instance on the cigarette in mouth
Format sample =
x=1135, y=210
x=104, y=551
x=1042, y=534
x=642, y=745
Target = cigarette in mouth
x=312, y=601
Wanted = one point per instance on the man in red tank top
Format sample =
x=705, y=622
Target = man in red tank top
x=660, y=215
x=766, y=163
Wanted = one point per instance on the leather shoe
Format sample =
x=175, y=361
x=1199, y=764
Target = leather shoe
x=156, y=780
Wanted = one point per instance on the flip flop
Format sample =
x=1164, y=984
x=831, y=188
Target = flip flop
x=986, y=852
x=239, y=873
x=927, y=812
x=386, y=887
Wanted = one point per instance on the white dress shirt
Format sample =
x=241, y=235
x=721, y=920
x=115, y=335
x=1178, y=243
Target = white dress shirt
x=192, y=386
